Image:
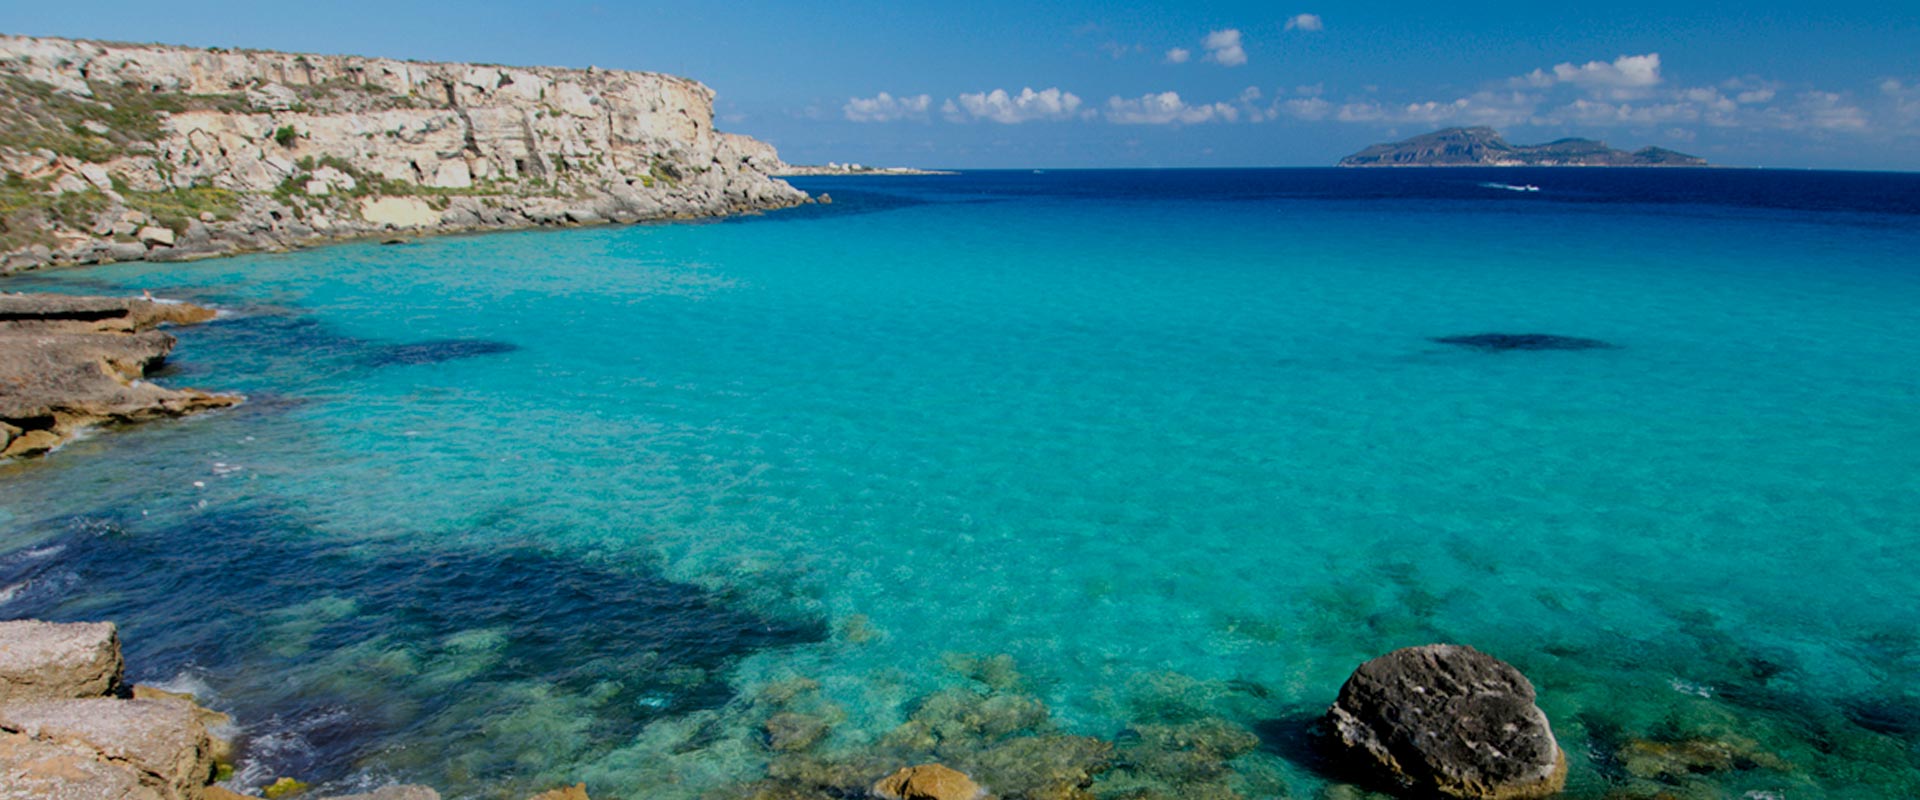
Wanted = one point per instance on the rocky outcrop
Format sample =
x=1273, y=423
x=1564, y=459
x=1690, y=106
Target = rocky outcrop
x=41, y=660
x=64, y=733
x=162, y=744
x=68, y=363
x=1447, y=720
x=120, y=152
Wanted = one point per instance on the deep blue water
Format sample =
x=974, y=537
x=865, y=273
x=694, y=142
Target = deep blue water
x=513, y=510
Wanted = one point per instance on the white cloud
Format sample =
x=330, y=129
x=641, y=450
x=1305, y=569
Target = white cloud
x=884, y=107
x=1010, y=109
x=1179, y=55
x=1481, y=108
x=1624, y=78
x=1305, y=22
x=1831, y=111
x=1628, y=93
x=1312, y=109
x=1598, y=112
x=1224, y=48
x=1906, y=102
x=1165, y=108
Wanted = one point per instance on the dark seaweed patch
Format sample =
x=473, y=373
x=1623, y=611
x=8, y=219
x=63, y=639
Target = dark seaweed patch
x=211, y=592
x=1891, y=714
x=1502, y=342
x=436, y=351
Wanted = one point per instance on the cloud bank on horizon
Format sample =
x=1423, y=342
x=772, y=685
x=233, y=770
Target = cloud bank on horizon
x=1628, y=90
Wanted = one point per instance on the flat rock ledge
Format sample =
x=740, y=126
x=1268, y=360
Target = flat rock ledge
x=1447, y=720
x=68, y=363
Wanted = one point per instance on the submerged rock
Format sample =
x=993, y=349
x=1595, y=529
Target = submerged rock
x=928, y=782
x=411, y=792
x=1671, y=762
x=1449, y=720
x=1499, y=342
x=789, y=732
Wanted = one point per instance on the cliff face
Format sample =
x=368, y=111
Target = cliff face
x=116, y=152
x=1484, y=147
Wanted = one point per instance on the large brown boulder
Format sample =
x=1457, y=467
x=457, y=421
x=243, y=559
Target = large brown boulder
x=163, y=743
x=1448, y=720
x=49, y=660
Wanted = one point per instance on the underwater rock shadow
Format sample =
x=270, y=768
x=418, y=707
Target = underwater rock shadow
x=1507, y=342
x=1299, y=736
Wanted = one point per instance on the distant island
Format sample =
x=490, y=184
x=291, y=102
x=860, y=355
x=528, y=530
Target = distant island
x=1483, y=147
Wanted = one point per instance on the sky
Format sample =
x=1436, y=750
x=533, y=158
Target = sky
x=1076, y=83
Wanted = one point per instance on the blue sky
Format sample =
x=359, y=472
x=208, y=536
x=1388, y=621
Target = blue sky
x=1066, y=84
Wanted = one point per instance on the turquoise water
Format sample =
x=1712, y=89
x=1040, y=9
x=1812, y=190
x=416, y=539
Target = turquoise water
x=514, y=510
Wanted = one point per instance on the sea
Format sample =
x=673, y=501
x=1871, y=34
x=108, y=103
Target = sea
x=1104, y=478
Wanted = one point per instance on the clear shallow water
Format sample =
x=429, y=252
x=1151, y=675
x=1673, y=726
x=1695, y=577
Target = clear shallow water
x=1178, y=444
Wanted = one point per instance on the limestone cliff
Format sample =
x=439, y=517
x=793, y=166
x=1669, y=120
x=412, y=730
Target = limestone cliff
x=119, y=151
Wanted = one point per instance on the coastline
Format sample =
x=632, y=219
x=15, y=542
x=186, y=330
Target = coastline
x=204, y=241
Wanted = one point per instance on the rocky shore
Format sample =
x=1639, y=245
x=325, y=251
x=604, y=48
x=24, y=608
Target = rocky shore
x=70, y=363
x=120, y=152
x=71, y=728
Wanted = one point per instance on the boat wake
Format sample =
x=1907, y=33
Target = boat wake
x=1510, y=187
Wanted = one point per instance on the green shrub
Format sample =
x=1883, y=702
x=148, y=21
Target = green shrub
x=286, y=136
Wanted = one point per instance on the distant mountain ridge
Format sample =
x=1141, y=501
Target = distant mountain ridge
x=1484, y=147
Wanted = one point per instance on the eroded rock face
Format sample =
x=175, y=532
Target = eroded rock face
x=928, y=782
x=283, y=149
x=1451, y=720
x=69, y=362
x=52, y=661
